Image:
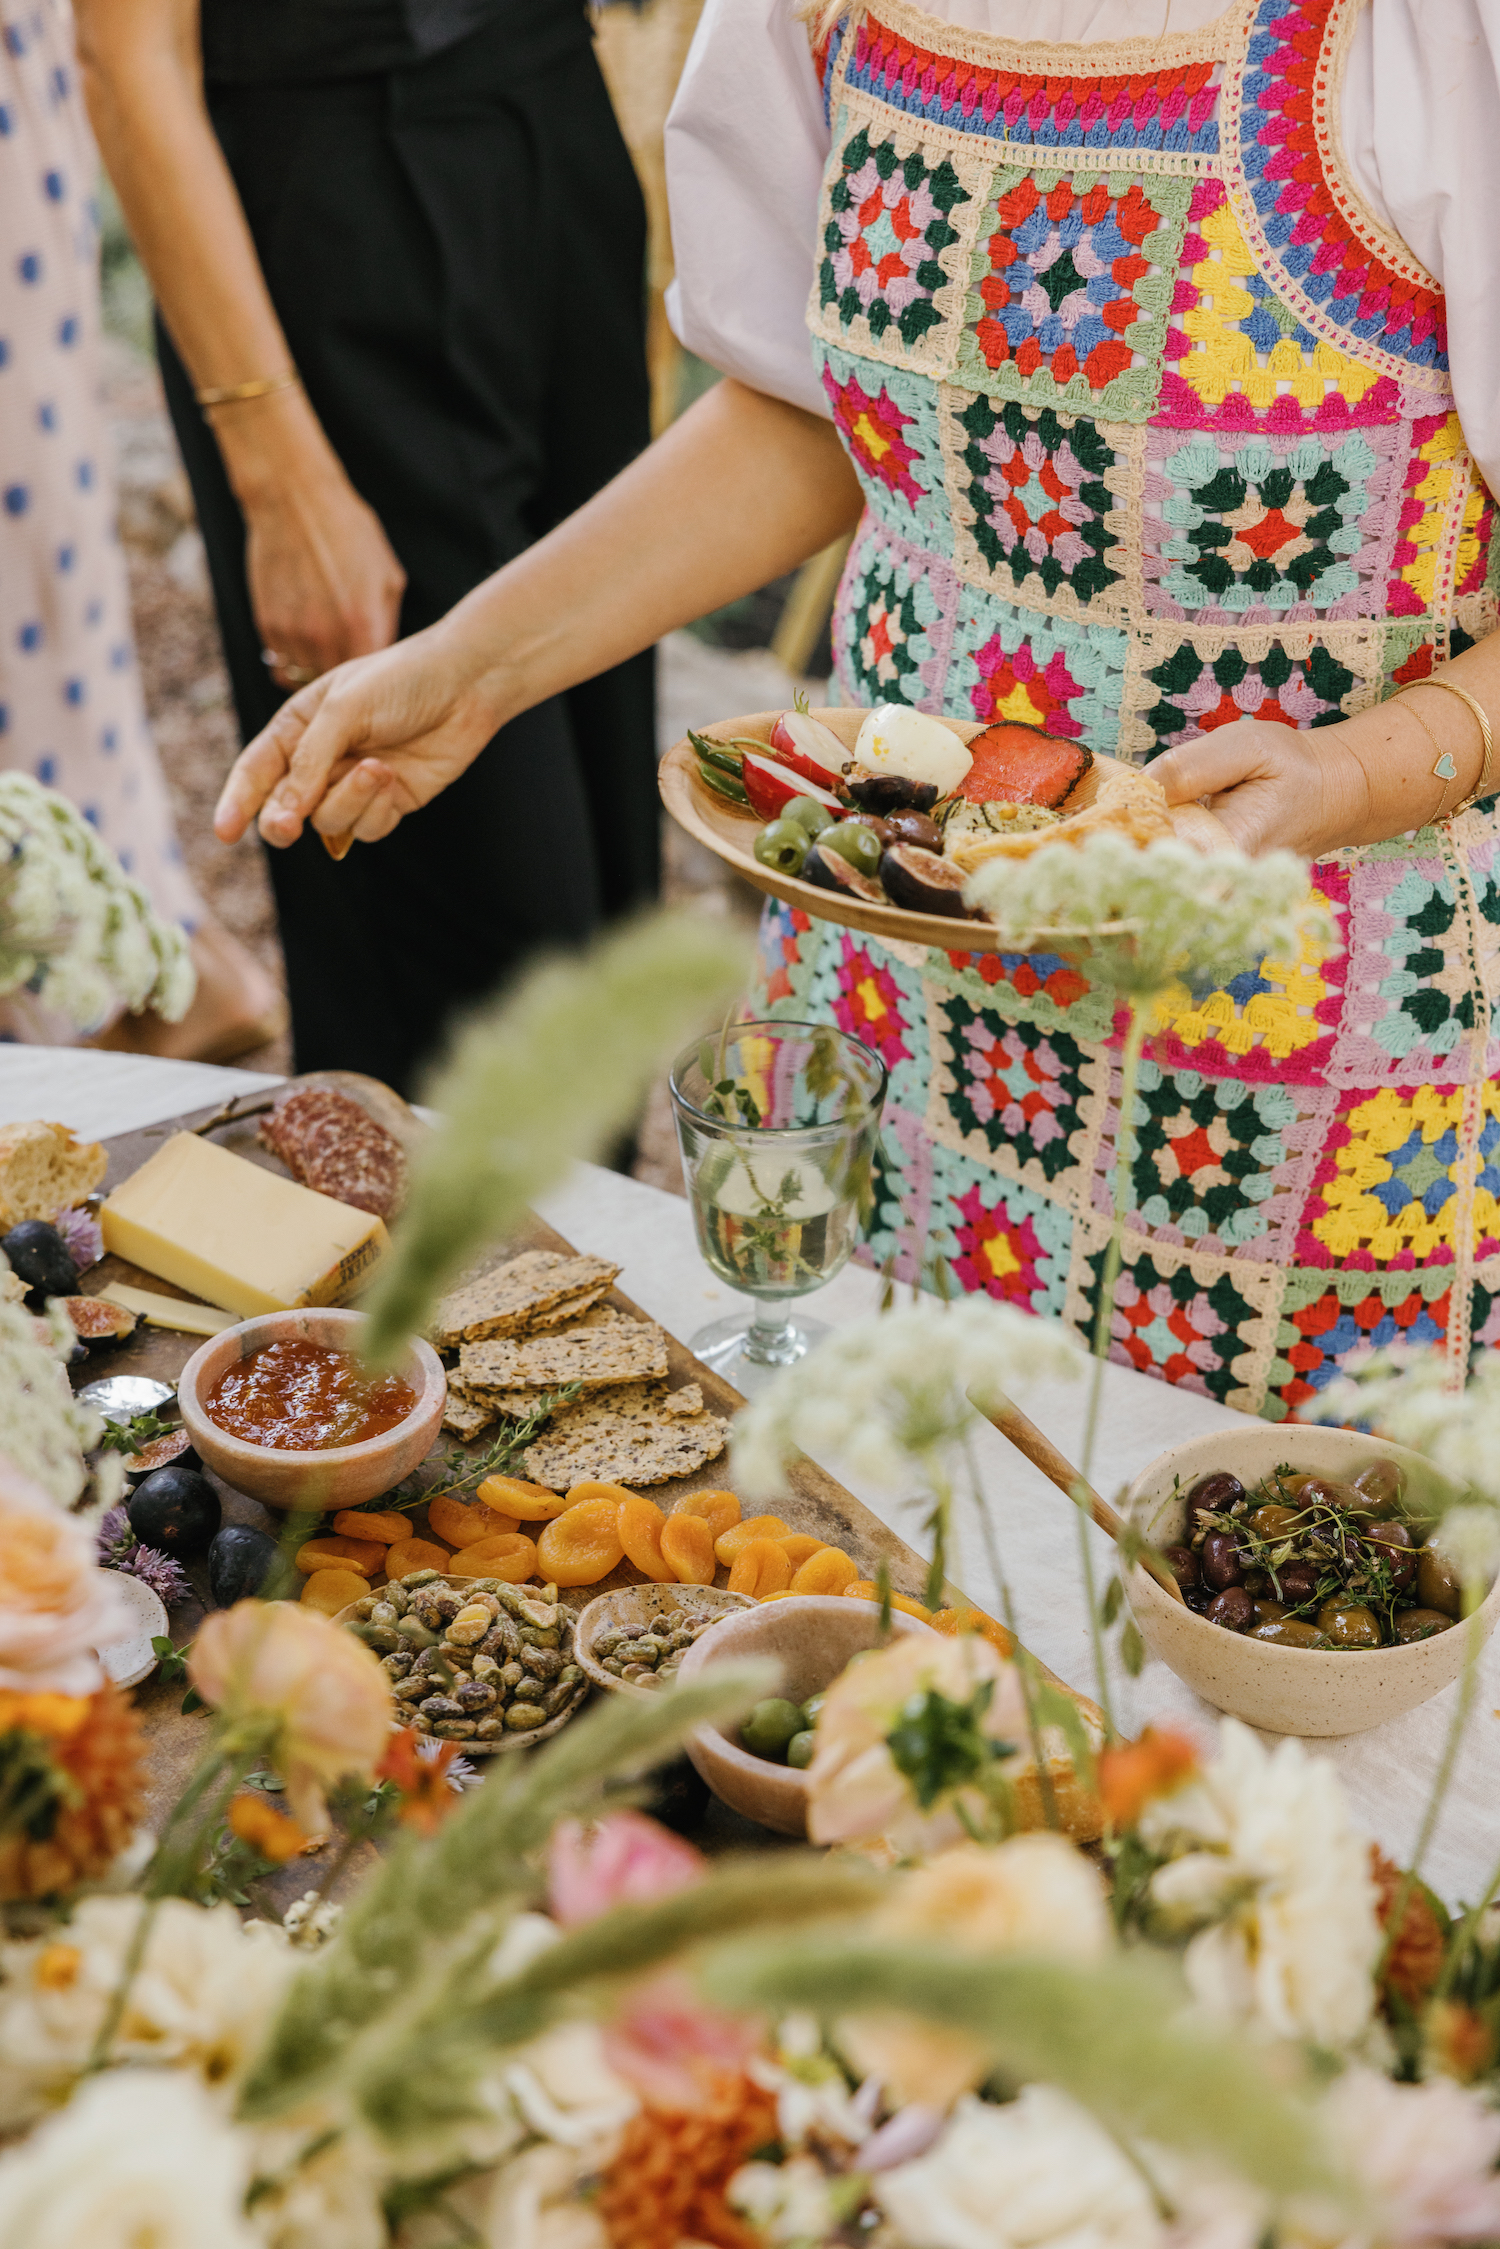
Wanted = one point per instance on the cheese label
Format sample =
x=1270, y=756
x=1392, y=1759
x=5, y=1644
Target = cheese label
x=239, y=1236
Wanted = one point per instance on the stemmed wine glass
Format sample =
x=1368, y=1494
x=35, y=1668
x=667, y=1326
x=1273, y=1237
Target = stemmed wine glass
x=778, y=1124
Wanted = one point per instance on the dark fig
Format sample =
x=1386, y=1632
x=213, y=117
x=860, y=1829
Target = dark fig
x=38, y=1255
x=94, y=1321
x=175, y=1449
x=830, y=871
x=913, y=827
x=922, y=882
x=239, y=1562
x=890, y=792
x=177, y=1510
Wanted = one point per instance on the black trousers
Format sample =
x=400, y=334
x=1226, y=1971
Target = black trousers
x=456, y=251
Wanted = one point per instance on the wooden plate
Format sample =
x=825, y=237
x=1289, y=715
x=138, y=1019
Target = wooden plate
x=729, y=831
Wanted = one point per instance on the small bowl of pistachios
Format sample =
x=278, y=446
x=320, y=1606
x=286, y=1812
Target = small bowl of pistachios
x=476, y=1661
x=633, y=1639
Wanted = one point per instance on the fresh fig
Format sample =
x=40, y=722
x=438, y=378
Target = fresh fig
x=177, y=1510
x=38, y=1255
x=174, y=1450
x=923, y=882
x=94, y=1321
x=239, y=1562
x=831, y=871
x=891, y=792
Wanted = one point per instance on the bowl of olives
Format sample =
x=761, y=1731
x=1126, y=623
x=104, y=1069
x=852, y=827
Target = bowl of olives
x=812, y=1637
x=1314, y=1601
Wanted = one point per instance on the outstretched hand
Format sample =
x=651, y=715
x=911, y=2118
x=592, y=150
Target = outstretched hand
x=361, y=747
x=1272, y=786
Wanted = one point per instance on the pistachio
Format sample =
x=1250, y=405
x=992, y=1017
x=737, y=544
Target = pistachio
x=511, y=1677
x=475, y=1695
x=454, y=1729
x=414, y=1578
x=376, y=1636
x=522, y=1716
x=396, y=1666
x=485, y=1667
x=545, y=1662
x=488, y=1728
x=365, y=1609
x=605, y=1644
x=398, y=1597
x=411, y=1690
x=382, y=1613
x=441, y=1706
x=540, y=1636
x=469, y=1626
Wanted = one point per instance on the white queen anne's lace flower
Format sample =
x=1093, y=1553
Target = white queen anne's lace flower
x=44, y=1431
x=890, y=1392
x=1267, y=1855
x=1153, y=916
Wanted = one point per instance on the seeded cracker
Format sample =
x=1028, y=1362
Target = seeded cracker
x=628, y=1436
x=623, y=1351
x=540, y=1322
x=464, y=1415
x=505, y=1301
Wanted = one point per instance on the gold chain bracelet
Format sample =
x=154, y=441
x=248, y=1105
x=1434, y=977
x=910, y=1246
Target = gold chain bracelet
x=235, y=394
x=1444, y=769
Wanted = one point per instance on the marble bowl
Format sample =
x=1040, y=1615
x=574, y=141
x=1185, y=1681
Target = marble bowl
x=344, y=1475
x=812, y=1638
x=1283, y=1690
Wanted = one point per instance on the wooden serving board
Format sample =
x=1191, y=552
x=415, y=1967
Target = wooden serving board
x=816, y=1503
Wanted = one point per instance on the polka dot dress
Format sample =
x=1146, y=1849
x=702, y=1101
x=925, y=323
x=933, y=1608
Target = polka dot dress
x=71, y=711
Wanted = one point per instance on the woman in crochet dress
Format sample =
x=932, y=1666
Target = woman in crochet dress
x=1157, y=362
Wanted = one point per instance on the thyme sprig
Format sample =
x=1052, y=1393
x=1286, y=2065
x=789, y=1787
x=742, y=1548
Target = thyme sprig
x=463, y=1471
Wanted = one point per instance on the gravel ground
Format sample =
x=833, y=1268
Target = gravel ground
x=187, y=695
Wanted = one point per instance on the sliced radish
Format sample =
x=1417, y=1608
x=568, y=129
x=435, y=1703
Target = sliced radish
x=771, y=787
x=809, y=747
x=896, y=739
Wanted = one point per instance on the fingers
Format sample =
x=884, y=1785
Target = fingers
x=328, y=740
x=1211, y=763
x=261, y=765
x=363, y=804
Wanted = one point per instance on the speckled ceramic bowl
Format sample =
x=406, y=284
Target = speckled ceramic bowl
x=812, y=1638
x=1285, y=1690
x=643, y=1604
x=344, y=1475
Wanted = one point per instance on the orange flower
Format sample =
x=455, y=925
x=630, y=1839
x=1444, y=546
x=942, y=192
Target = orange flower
x=57, y=1717
x=103, y=1760
x=265, y=1829
x=1458, y=2042
x=1130, y=1776
x=1415, y=1959
x=274, y=1668
x=426, y=1798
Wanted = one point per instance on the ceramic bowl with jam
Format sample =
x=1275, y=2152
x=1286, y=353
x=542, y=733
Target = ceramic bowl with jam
x=282, y=1408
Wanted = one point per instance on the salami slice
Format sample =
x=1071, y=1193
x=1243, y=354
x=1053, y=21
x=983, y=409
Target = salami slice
x=332, y=1145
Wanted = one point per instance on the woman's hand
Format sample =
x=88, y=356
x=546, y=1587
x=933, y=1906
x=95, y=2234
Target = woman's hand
x=421, y=709
x=325, y=584
x=1273, y=786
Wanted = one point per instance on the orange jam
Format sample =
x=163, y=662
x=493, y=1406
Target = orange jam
x=302, y=1397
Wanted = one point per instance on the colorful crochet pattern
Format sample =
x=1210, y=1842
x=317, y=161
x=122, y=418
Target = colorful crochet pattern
x=1155, y=431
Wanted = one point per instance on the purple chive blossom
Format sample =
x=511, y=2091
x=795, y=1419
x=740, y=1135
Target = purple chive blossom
x=114, y=1538
x=83, y=1235
x=159, y=1571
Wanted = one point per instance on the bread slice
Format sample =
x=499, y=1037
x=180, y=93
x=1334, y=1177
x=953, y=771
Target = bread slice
x=43, y=1170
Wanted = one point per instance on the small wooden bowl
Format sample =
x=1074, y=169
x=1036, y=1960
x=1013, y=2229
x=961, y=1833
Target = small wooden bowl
x=344, y=1475
x=812, y=1638
x=1284, y=1690
x=507, y=1741
x=643, y=1604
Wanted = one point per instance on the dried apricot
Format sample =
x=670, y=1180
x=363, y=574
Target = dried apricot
x=730, y=1543
x=415, y=1554
x=507, y=1554
x=524, y=1503
x=800, y=1548
x=827, y=1571
x=687, y=1548
x=640, y=1523
x=355, y=1522
x=592, y=1488
x=760, y=1567
x=332, y=1590
x=362, y=1555
x=462, y=1525
x=582, y=1545
x=955, y=1621
x=720, y=1510
x=864, y=1589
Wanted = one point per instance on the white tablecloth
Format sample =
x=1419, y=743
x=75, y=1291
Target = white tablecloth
x=1387, y=1771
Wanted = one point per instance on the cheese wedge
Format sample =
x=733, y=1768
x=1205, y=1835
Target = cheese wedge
x=236, y=1234
x=167, y=1311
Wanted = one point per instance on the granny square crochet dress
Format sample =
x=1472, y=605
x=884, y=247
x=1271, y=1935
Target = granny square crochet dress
x=1155, y=430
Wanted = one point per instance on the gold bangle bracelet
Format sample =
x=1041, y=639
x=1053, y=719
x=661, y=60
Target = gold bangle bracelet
x=1482, y=786
x=234, y=394
x=1444, y=770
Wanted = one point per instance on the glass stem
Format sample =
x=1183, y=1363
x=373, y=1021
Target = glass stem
x=770, y=1335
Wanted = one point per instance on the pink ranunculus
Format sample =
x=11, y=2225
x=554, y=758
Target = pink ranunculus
x=56, y=1604
x=674, y=2050
x=624, y=1859
x=324, y=1690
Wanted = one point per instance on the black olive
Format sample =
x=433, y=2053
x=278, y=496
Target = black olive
x=1220, y=1560
x=1199, y=1599
x=177, y=1510
x=38, y=1255
x=1183, y=1563
x=1233, y=1608
x=891, y=792
x=1298, y=1580
x=1381, y=1486
x=913, y=827
x=1257, y=1582
x=1212, y=1495
x=923, y=882
x=1268, y=1612
x=1392, y=1544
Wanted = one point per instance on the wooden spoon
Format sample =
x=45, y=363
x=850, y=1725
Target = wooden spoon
x=1043, y=1454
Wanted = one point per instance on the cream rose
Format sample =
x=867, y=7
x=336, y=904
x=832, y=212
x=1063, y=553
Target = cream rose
x=56, y=1604
x=138, y=2156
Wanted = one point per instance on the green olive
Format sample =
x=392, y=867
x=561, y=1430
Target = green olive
x=1420, y=1624
x=809, y=815
x=1291, y=1632
x=1269, y=1612
x=1438, y=1585
x=1381, y=1487
x=799, y=1750
x=783, y=845
x=770, y=1726
x=853, y=841
x=1272, y=1523
x=811, y=1707
x=1349, y=1625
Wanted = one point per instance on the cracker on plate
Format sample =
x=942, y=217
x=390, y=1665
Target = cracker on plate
x=505, y=1301
x=620, y=1351
x=630, y=1435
